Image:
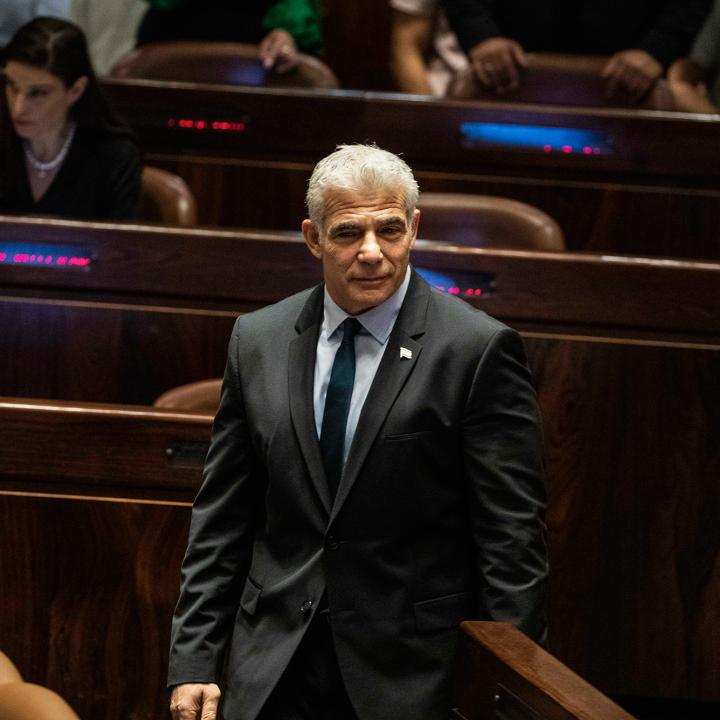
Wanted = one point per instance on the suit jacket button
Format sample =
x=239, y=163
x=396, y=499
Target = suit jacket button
x=331, y=543
x=306, y=607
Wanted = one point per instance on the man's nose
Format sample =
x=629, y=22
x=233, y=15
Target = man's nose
x=370, y=251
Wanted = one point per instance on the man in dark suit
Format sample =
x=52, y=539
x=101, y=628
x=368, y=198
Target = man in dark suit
x=374, y=478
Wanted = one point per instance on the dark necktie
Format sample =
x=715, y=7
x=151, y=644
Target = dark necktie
x=337, y=405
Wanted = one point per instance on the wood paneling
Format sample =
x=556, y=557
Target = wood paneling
x=92, y=533
x=656, y=191
x=632, y=438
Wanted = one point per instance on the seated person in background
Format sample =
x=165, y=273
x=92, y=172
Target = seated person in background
x=62, y=151
x=695, y=80
x=281, y=28
x=425, y=52
x=642, y=36
x=15, y=13
x=110, y=28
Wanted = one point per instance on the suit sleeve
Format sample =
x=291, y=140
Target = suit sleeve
x=673, y=32
x=471, y=20
x=219, y=548
x=502, y=447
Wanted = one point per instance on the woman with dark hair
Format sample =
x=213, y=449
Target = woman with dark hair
x=62, y=150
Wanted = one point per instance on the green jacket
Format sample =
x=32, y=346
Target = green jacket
x=301, y=18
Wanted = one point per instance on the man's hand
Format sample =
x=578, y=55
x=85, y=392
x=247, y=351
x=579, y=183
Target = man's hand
x=195, y=701
x=496, y=62
x=279, y=51
x=633, y=71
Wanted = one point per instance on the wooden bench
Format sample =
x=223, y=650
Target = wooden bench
x=625, y=354
x=94, y=513
x=503, y=674
x=247, y=153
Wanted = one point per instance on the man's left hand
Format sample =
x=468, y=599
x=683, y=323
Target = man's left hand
x=633, y=71
x=279, y=51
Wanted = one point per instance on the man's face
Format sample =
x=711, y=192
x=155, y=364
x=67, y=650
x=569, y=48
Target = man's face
x=364, y=246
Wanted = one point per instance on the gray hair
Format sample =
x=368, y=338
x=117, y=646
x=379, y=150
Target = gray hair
x=359, y=167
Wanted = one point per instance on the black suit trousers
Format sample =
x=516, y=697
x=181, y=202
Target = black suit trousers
x=311, y=688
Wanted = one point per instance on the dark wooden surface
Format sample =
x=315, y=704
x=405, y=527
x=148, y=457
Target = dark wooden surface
x=500, y=672
x=235, y=270
x=626, y=358
x=656, y=193
x=94, y=519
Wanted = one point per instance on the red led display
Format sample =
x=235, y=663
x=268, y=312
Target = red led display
x=30, y=259
x=43, y=255
x=454, y=290
x=216, y=125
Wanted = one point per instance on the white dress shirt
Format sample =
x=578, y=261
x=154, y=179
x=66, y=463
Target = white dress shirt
x=370, y=342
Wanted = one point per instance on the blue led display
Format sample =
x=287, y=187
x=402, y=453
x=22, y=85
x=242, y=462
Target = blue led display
x=39, y=255
x=536, y=137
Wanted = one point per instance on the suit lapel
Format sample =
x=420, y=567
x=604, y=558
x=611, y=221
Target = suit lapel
x=391, y=376
x=301, y=374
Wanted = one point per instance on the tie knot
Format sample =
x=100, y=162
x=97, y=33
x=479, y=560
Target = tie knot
x=351, y=327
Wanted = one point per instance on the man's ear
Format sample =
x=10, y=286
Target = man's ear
x=78, y=88
x=415, y=227
x=312, y=237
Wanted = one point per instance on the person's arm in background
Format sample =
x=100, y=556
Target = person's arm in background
x=635, y=70
x=496, y=60
x=409, y=40
x=688, y=77
x=292, y=26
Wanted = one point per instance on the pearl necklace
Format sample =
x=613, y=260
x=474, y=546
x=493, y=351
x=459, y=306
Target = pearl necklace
x=43, y=168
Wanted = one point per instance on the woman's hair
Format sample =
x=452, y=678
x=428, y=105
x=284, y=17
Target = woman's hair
x=58, y=47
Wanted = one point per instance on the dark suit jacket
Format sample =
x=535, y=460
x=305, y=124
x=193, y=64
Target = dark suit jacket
x=438, y=516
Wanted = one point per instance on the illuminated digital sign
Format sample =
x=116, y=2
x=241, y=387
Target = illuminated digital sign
x=465, y=285
x=205, y=125
x=66, y=257
x=538, y=138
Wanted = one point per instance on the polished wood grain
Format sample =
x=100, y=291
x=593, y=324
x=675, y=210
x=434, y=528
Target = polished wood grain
x=106, y=352
x=626, y=358
x=501, y=672
x=94, y=514
x=631, y=437
x=631, y=432
x=235, y=270
x=656, y=192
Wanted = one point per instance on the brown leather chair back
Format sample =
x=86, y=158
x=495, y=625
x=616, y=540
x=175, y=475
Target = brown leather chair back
x=8, y=672
x=25, y=701
x=221, y=63
x=166, y=199
x=553, y=79
x=487, y=221
x=202, y=396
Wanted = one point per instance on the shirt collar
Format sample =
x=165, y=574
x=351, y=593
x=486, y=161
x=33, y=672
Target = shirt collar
x=377, y=321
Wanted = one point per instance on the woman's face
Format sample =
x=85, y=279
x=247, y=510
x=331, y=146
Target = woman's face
x=38, y=101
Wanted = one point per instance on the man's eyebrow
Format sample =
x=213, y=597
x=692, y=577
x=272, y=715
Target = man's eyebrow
x=347, y=225
x=392, y=220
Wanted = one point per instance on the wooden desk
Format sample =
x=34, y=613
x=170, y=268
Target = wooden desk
x=94, y=514
x=654, y=189
x=626, y=358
